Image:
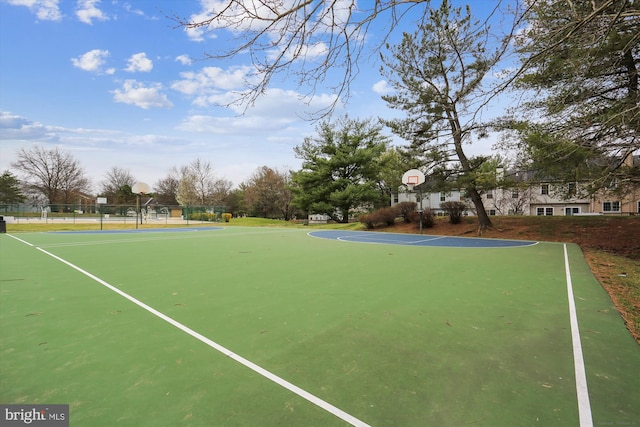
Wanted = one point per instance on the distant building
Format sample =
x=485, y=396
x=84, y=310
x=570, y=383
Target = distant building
x=528, y=196
x=318, y=219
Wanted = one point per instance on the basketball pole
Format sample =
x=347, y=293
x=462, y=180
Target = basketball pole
x=411, y=178
x=139, y=188
x=137, y=209
x=421, y=210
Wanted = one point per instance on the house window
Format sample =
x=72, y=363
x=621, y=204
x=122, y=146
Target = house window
x=638, y=206
x=395, y=198
x=611, y=206
x=443, y=197
x=571, y=189
x=571, y=211
x=514, y=193
x=492, y=211
x=544, y=211
x=544, y=189
x=490, y=194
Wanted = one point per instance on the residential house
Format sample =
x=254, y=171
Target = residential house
x=528, y=196
x=430, y=200
x=608, y=201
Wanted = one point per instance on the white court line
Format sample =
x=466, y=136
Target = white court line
x=20, y=240
x=584, y=407
x=377, y=240
x=429, y=240
x=158, y=237
x=276, y=379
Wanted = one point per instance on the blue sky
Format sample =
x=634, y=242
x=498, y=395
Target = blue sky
x=116, y=84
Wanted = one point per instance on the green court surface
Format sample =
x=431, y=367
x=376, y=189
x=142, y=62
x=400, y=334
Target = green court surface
x=273, y=327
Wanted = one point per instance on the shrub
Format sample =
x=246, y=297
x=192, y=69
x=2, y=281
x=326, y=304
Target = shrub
x=404, y=210
x=226, y=217
x=387, y=215
x=428, y=219
x=455, y=210
x=367, y=220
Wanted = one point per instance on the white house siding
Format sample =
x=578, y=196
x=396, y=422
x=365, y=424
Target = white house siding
x=431, y=201
x=531, y=201
x=558, y=209
x=502, y=202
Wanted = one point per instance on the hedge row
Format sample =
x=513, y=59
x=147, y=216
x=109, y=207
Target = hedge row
x=405, y=210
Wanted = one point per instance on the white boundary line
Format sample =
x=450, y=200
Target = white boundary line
x=346, y=238
x=276, y=379
x=372, y=239
x=584, y=407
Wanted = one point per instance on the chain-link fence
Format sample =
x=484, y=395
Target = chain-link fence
x=152, y=213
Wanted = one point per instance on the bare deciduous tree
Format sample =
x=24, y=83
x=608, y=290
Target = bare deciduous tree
x=116, y=186
x=53, y=173
x=203, y=179
x=267, y=193
x=165, y=189
x=219, y=191
x=115, y=179
x=186, y=193
x=308, y=40
x=197, y=184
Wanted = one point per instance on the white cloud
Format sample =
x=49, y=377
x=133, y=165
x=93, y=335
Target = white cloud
x=184, y=59
x=381, y=87
x=130, y=9
x=278, y=103
x=276, y=110
x=93, y=61
x=20, y=128
x=47, y=10
x=139, y=62
x=195, y=34
x=235, y=18
x=208, y=9
x=135, y=93
x=337, y=12
x=15, y=127
x=300, y=52
x=212, y=79
x=150, y=156
x=236, y=125
x=87, y=11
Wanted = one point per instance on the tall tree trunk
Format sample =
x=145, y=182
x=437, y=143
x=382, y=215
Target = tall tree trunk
x=345, y=216
x=629, y=62
x=484, y=221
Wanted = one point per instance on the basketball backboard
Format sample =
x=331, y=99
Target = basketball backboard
x=413, y=177
x=140, y=188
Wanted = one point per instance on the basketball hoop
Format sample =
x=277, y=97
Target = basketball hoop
x=412, y=178
x=140, y=188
